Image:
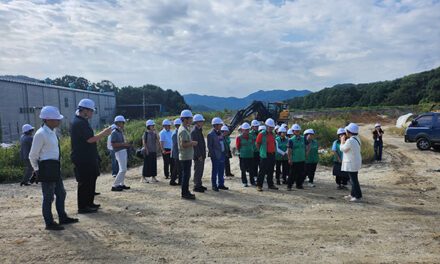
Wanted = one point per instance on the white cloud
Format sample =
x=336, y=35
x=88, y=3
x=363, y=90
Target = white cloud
x=220, y=48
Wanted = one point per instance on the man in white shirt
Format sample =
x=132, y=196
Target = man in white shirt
x=166, y=144
x=45, y=155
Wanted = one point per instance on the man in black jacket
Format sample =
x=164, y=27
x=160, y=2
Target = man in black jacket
x=85, y=155
x=199, y=152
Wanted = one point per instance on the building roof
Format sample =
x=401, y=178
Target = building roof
x=54, y=86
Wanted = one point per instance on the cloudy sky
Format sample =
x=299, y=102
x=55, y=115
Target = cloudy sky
x=222, y=47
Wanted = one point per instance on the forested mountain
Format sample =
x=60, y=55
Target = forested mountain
x=233, y=103
x=412, y=89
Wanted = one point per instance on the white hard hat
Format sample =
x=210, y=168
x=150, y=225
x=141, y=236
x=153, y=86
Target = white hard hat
x=119, y=118
x=270, y=123
x=87, y=103
x=240, y=127
x=276, y=127
x=27, y=128
x=150, y=123
x=262, y=128
x=186, y=113
x=341, y=131
x=166, y=122
x=198, y=118
x=50, y=112
x=224, y=128
x=296, y=127
x=377, y=125
x=245, y=126
x=290, y=132
x=309, y=131
x=177, y=121
x=216, y=121
x=282, y=129
x=284, y=125
x=352, y=128
x=255, y=123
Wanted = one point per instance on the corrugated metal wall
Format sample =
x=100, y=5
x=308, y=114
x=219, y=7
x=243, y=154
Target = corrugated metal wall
x=20, y=103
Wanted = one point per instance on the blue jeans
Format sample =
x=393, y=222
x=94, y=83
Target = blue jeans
x=186, y=175
x=355, y=186
x=49, y=189
x=115, y=166
x=378, y=146
x=218, y=170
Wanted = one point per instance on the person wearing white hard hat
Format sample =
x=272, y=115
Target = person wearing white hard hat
x=245, y=146
x=341, y=177
x=265, y=143
x=176, y=168
x=149, y=143
x=297, y=155
x=282, y=161
x=45, y=158
x=256, y=161
x=312, y=157
x=25, y=147
x=378, y=142
x=352, y=160
x=84, y=155
x=186, y=152
x=225, y=131
x=217, y=153
x=289, y=133
x=199, y=152
x=119, y=145
x=276, y=129
x=166, y=143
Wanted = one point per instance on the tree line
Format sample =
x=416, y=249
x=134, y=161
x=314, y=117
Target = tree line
x=171, y=100
x=413, y=89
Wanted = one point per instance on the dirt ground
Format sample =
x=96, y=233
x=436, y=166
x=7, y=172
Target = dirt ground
x=398, y=221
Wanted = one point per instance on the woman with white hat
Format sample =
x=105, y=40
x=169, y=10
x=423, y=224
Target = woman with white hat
x=225, y=131
x=341, y=177
x=352, y=160
x=378, y=143
x=166, y=143
x=25, y=148
x=297, y=155
x=149, y=141
x=312, y=157
x=245, y=146
x=282, y=161
x=254, y=134
x=120, y=146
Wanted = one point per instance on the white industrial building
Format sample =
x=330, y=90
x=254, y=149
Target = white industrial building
x=21, y=102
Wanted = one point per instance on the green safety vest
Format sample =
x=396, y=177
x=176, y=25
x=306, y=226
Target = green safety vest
x=246, y=147
x=298, y=152
x=254, y=135
x=338, y=150
x=313, y=154
x=282, y=144
x=227, y=144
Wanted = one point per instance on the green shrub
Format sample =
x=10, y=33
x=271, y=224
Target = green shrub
x=326, y=159
x=367, y=150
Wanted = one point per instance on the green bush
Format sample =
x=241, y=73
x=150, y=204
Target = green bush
x=326, y=159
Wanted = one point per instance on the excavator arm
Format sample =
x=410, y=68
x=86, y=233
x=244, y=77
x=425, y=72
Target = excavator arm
x=255, y=107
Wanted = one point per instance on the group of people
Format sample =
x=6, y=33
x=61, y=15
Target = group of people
x=262, y=149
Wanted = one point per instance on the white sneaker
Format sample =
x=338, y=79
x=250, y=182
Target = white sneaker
x=348, y=197
x=355, y=200
x=154, y=179
x=144, y=180
x=311, y=184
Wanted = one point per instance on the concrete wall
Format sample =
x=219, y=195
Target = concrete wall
x=21, y=102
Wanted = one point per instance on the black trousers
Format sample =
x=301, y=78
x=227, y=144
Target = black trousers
x=86, y=175
x=186, y=175
x=267, y=167
x=167, y=163
x=282, y=169
x=150, y=165
x=310, y=169
x=256, y=163
x=296, y=174
x=355, y=186
x=227, y=167
x=176, y=170
x=246, y=164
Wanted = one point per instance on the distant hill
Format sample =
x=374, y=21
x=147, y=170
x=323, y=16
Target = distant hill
x=234, y=103
x=202, y=108
x=22, y=78
x=423, y=87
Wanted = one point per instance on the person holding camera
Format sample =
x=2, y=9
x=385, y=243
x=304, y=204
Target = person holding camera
x=352, y=160
x=378, y=143
x=45, y=158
